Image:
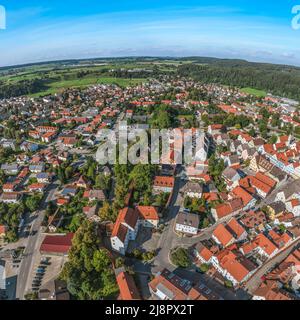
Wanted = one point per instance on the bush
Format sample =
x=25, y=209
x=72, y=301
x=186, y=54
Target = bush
x=180, y=258
x=204, y=268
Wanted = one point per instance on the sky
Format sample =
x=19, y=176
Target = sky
x=40, y=30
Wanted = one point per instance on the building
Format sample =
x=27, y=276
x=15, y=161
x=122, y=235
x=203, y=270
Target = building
x=187, y=223
x=193, y=190
x=168, y=286
x=148, y=216
x=164, y=184
x=57, y=245
x=260, y=245
x=125, y=230
x=11, y=197
x=127, y=286
x=233, y=265
x=54, y=290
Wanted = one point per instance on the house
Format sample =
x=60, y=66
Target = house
x=164, y=184
x=37, y=187
x=127, y=286
x=269, y=290
x=168, y=286
x=49, y=137
x=193, y=190
x=82, y=183
x=3, y=230
x=215, y=128
x=237, y=230
x=43, y=177
x=148, y=216
x=291, y=191
x=187, y=223
x=57, y=245
x=293, y=206
x=92, y=213
x=248, y=200
x=260, y=163
x=29, y=147
x=11, y=197
x=9, y=187
x=222, y=236
x=228, y=208
x=233, y=266
x=276, y=209
x=37, y=168
x=260, y=245
x=69, y=191
x=231, y=178
x=10, y=169
x=202, y=253
x=254, y=220
x=94, y=195
x=54, y=290
x=201, y=292
x=125, y=230
x=280, y=239
x=8, y=144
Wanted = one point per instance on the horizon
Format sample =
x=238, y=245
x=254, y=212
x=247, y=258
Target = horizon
x=39, y=32
x=45, y=62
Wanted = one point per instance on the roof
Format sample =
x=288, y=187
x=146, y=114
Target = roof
x=161, y=181
x=236, y=264
x=188, y=219
x=223, y=235
x=243, y=194
x=203, y=251
x=223, y=210
x=127, y=286
x=234, y=227
x=147, y=212
x=253, y=219
x=193, y=187
x=57, y=244
x=126, y=217
x=171, y=285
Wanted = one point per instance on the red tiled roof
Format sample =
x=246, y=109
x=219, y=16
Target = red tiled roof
x=127, y=286
x=57, y=244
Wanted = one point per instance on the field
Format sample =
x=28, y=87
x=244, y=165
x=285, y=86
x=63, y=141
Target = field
x=59, y=86
x=254, y=92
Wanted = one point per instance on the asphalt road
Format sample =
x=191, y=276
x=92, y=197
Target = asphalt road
x=31, y=248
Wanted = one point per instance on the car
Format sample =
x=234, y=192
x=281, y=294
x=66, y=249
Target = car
x=40, y=272
x=185, y=210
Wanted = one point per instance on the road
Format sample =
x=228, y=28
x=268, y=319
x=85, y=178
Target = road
x=27, y=262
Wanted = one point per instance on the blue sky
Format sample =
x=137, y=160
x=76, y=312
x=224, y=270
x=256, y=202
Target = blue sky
x=40, y=30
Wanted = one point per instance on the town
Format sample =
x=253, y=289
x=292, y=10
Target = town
x=225, y=227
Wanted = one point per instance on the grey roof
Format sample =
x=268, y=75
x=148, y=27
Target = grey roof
x=291, y=189
x=188, y=219
x=229, y=173
x=278, y=206
x=193, y=187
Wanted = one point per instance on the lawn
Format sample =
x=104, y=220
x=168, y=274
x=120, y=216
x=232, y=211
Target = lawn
x=254, y=92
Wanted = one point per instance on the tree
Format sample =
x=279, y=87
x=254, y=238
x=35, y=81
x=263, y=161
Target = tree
x=180, y=258
x=106, y=213
x=88, y=272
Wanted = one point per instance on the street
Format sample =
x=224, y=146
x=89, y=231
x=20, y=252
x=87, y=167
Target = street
x=31, y=248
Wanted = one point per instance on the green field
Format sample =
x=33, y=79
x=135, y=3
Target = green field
x=56, y=87
x=254, y=92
